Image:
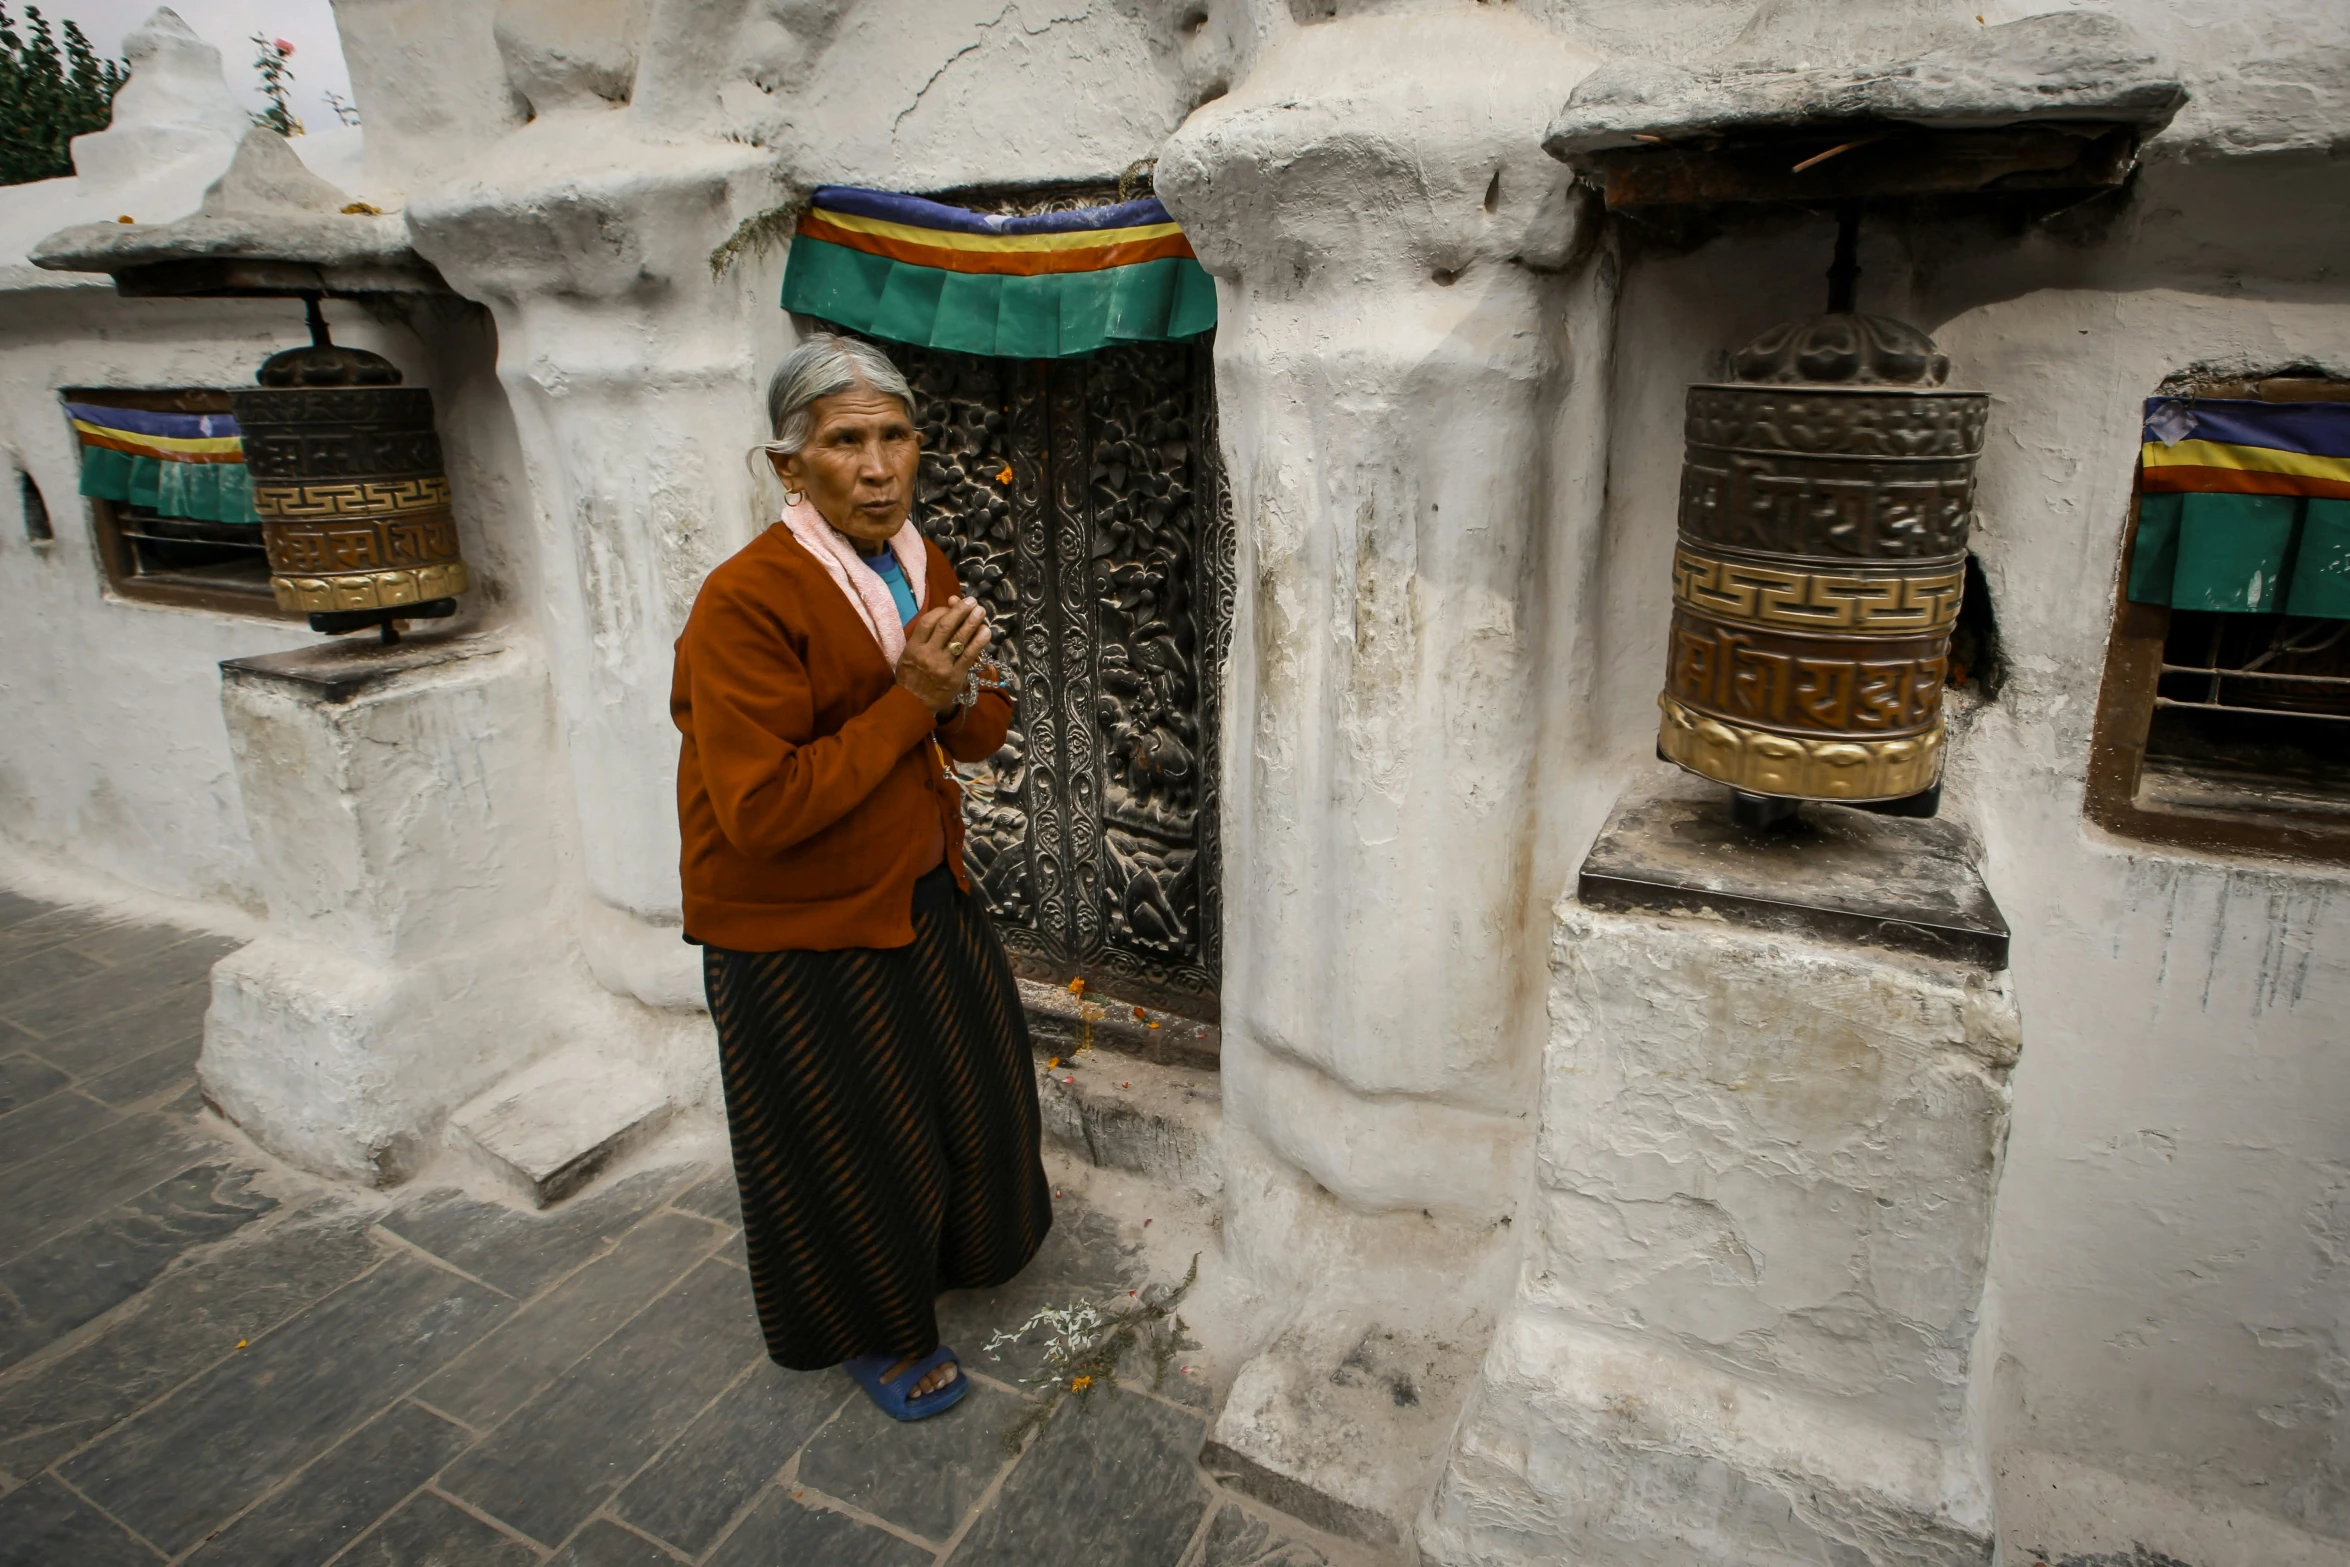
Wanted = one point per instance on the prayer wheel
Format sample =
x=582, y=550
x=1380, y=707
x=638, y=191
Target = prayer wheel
x=1825, y=499
x=347, y=479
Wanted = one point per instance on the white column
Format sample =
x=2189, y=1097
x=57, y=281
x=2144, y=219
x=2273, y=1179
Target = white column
x=1406, y=337
x=634, y=378
x=1390, y=236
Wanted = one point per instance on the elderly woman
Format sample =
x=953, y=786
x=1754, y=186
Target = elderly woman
x=879, y=1087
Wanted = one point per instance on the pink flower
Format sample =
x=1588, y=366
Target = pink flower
x=282, y=46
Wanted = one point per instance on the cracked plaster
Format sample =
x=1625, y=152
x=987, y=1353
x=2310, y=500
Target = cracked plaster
x=1432, y=721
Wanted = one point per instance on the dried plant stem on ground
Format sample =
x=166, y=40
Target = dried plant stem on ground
x=1084, y=1345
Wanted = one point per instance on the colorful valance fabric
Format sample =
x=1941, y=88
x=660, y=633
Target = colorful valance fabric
x=1051, y=285
x=2244, y=507
x=178, y=465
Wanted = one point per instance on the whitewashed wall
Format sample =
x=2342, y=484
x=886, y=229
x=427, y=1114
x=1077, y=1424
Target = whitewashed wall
x=117, y=759
x=2168, y=1271
x=2170, y=1237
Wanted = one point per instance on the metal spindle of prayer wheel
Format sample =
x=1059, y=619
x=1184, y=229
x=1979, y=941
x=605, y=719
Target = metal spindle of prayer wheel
x=1825, y=499
x=347, y=479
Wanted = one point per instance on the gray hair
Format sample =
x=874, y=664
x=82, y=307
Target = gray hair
x=824, y=366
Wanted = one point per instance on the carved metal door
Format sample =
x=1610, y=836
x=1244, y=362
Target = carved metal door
x=1081, y=499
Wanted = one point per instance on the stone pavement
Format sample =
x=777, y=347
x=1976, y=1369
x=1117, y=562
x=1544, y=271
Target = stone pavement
x=206, y=1358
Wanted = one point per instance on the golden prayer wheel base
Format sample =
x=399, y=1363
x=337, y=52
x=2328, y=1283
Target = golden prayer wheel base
x=370, y=590
x=1757, y=761
x=387, y=623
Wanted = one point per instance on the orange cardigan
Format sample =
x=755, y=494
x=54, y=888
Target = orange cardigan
x=807, y=781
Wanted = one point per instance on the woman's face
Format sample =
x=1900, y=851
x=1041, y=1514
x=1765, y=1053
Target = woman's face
x=858, y=466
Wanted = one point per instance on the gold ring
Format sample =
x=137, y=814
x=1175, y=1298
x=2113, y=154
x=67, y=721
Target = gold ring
x=954, y=650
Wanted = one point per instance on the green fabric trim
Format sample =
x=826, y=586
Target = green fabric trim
x=105, y=474
x=2233, y=551
x=1055, y=315
x=2243, y=554
x=198, y=491
x=2321, y=569
x=2155, y=561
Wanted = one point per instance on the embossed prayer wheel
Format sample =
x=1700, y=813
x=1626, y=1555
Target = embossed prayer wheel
x=347, y=478
x=1825, y=499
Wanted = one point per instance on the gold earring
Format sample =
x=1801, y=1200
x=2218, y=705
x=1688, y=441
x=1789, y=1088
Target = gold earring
x=793, y=497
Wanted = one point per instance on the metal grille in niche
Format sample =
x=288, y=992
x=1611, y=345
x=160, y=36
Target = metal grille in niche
x=2256, y=706
x=1081, y=500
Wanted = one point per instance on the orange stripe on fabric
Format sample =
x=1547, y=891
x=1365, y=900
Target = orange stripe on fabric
x=998, y=263
x=2238, y=481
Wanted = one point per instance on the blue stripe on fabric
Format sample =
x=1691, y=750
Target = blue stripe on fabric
x=2312, y=429
x=139, y=421
x=891, y=207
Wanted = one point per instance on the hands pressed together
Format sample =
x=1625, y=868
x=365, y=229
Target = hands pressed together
x=942, y=647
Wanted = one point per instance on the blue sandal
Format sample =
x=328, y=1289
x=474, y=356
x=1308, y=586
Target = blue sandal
x=890, y=1395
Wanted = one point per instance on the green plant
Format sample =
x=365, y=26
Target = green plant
x=755, y=237
x=276, y=76
x=48, y=96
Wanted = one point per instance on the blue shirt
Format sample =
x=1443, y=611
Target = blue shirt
x=885, y=566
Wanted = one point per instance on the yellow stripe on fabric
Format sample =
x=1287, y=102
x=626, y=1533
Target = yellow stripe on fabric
x=2244, y=459
x=948, y=239
x=230, y=445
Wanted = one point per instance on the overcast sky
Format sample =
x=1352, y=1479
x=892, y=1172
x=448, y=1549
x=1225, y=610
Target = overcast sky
x=228, y=25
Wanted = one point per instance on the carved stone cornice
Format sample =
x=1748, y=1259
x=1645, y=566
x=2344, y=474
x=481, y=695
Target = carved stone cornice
x=1370, y=148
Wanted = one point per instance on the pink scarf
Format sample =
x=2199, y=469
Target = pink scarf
x=863, y=585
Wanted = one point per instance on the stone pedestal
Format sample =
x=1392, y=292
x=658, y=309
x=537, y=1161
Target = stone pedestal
x=1748, y=1326
x=399, y=804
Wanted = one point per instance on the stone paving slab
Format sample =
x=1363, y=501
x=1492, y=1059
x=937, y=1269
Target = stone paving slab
x=25, y=1078
x=159, y=1074
x=187, y=1465
x=789, y=1528
x=207, y=1359
x=521, y=1253
x=563, y=1455
x=58, y=1286
x=728, y=1456
x=158, y=1022
x=604, y=1543
x=190, y=1320
x=49, y=1124
x=1238, y=1538
x=432, y=1531
x=44, y=1525
x=527, y=1353
x=923, y=1476
x=87, y=1003
x=1111, y=1479
x=114, y=1158
x=363, y=1478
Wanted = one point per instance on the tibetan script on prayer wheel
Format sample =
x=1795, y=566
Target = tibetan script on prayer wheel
x=1825, y=499
x=347, y=478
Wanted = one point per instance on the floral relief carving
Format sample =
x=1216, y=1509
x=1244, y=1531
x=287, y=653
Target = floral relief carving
x=1081, y=501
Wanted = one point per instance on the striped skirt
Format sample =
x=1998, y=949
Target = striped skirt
x=882, y=1104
